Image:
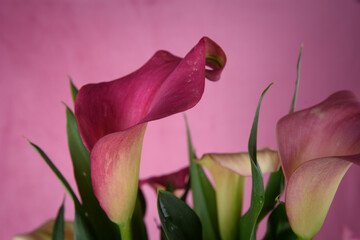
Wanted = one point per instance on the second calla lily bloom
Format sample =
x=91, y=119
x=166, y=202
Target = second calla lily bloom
x=316, y=147
x=229, y=172
x=112, y=118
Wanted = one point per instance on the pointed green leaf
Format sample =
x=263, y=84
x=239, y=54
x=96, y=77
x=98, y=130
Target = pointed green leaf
x=187, y=189
x=249, y=220
x=57, y=173
x=81, y=227
x=178, y=220
x=73, y=89
x=59, y=226
x=278, y=226
x=293, y=103
x=103, y=227
x=276, y=183
x=137, y=222
x=203, y=195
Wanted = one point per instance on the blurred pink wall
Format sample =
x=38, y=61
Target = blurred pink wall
x=44, y=41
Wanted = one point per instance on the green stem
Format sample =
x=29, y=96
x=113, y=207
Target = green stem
x=125, y=230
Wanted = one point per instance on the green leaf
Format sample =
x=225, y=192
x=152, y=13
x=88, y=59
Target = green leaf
x=203, y=195
x=73, y=89
x=57, y=173
x=293, y=103
x=178, y=220
x=249, y=220
x=82, y=229
x=58, y=230
x=274, y=188
x=186, y=191
x=102, y=225
x=276, y=183
x=137, y=222
x=278, y=226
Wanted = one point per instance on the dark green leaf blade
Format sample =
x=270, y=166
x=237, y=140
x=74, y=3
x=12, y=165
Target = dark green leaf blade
x=178, y=220
x=57, y=173
x=73, y=89
x=137, y=222
x=274, y=188
x=82, y=229
x=278, y=226
x=249, y=220
x=204, y=198
x=58, y=230
x=102, y=225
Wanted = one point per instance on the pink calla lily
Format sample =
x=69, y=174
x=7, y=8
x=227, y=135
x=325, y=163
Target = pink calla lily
x=112, y=118
x=177, y=180
x=317, y=146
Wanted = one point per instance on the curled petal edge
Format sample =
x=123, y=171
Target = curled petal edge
x=112, y=118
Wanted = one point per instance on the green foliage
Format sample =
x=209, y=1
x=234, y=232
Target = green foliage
x=203, y=195
x=74, y=90
x=178, y=220
x=276, y=183
x=81, y=226
x=278, y=226
x=57, y=173
x=103, y=227
x=293, y=103
x=90, y=222
x=274, y=188
x=249, y=220
x=82, y=229
x=58, y=230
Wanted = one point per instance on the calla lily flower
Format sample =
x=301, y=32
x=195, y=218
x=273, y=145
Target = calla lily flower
x=44, y=232
x=112, y=118
x=317, y=146
x=229, y=172
x=176, y=180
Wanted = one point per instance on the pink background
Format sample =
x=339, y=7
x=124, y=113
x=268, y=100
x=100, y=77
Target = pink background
x=43, y=42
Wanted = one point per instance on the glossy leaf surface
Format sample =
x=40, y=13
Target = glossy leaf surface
x=178, y=220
